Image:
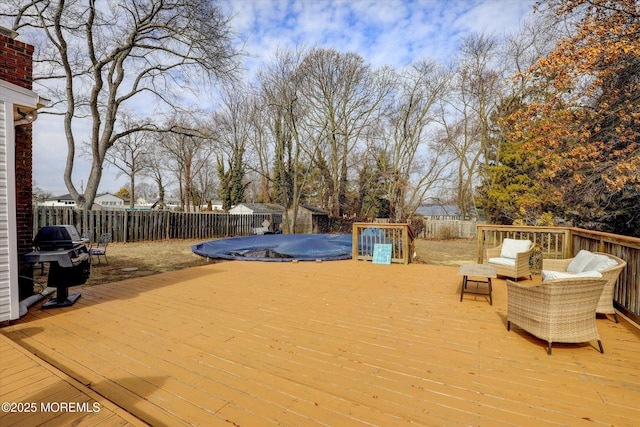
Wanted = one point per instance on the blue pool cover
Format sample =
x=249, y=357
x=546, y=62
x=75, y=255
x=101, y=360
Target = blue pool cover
x=278, y=247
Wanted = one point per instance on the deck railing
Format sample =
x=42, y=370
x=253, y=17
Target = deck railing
x=367, y=235
x=566, y=242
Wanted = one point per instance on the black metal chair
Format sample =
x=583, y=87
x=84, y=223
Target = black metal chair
x=101, y=247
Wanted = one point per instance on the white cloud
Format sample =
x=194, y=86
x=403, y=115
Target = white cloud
x=394, y=32
x=494, y=16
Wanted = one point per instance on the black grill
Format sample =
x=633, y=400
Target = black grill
x=56, y=237
x=68, y=258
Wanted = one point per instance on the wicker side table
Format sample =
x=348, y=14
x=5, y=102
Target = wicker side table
x=484, y=271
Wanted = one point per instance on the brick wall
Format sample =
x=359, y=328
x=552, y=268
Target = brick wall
x=24, y=207
x=16, y=67
x=16, y=62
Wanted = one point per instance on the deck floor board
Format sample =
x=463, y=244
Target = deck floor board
x=332, y=343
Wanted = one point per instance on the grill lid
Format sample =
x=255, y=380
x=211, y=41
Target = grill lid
x=57, y=237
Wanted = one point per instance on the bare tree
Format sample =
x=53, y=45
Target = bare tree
x=130, y=155
x=110, y=56
x=158, y=169
x=39, y=195
x=343, y=95
x=145, y=190
x=411, y=164
x=368, y=191
x=233, y=130
x=189, y=150
x=473, y=94
x=259, y=156
x=284, y=111
x=205, y=184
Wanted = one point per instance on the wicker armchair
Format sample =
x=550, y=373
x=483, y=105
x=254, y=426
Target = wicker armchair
x=521, y=267
x=562, y=310
x=605, y=304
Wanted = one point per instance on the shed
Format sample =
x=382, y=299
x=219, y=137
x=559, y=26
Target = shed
x=260, y=212
x=311, y=219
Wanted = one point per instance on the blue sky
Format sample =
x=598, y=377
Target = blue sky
x=383, y=32
x=393, y=32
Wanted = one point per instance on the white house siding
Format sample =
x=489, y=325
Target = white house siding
x=105, y=200
x=9, y=304
x=109, y=201
x=54, y=203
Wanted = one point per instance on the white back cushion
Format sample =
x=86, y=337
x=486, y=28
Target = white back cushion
x=581, y=260
x=600, y=263
x=511, y=247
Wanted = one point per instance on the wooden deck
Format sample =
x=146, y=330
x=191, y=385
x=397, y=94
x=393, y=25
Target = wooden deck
x=35, y=391
x=339, y=343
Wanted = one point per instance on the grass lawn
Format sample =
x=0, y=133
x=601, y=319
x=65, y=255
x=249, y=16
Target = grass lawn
x=129, y=260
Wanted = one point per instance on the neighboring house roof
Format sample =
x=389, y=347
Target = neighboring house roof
x=259, y=207
x=169, y=200
x=98, y=196
x=59, y=198
x=68, y=197
x=434, y=210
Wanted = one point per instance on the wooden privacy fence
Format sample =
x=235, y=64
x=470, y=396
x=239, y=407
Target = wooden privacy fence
x=566, y=242
x=136, y=226
x=367, y=235
x=449, y=229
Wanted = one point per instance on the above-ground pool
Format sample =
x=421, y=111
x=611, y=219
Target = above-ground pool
x=279, y=247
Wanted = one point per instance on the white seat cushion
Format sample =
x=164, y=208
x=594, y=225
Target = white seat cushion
x=512, y=247
x=503, y=261
x=582, y=259
x=552, y=275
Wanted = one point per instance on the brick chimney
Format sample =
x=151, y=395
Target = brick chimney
x=16, y=60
